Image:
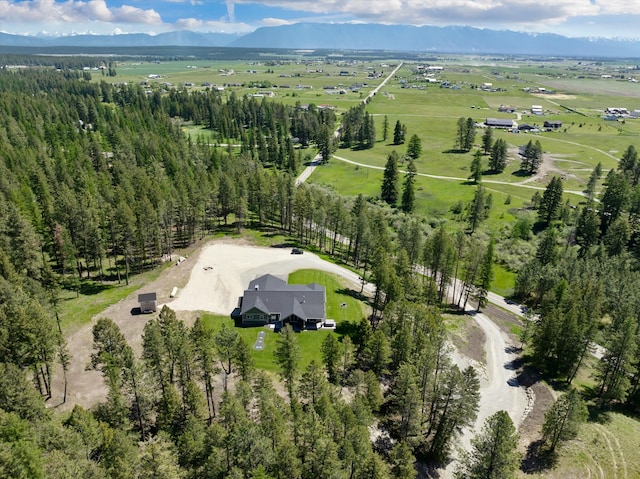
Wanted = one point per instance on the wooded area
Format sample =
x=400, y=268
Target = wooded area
x=98, y=182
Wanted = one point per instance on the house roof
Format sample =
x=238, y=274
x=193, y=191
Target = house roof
x=271, y=294
x=499, y=122
x=146, y=297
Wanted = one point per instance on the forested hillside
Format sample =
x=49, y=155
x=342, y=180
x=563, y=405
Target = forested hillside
x=99, y=183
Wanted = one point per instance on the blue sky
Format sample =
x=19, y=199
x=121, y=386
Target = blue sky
x=605, y=18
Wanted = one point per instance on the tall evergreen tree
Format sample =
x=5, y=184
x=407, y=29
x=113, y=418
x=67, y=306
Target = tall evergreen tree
x=614, y=200
x=470, y=134
x=562, y=421
x=287, y=356
x=486, y=276
x=498, y=157
x=385, y=128
x=398, y=133
x=408, y=189
x=487, y=140
x=389, y=192
x=494, y=452
x=551, y=201
x=414, y=147
x=476, y=167
x=477, y=211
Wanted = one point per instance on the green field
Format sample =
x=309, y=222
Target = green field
x=605, y=448
x=341, y=306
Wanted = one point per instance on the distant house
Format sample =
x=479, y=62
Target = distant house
x=270, y=300
x=526, y=127
x=537, y=110
x=552, y=124
x=499, y=123
x=618, y=111
x=148, y=302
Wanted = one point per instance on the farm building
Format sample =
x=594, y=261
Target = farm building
x=552, y=124
x=537, y=110
x=499, y=123
x=270, y=300
x=148, y=302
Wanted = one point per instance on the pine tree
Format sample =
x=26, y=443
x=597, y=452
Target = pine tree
x=562, y=421
x=498, y=157
x=385, y=128
x=494, y=452
x=487, y=140
x=590, y=190
x=331, y=357
x=615, y=199
x=408, y=189
x=389, y=188
x=486, y=276
x=470, y=134
x=414, y=147
x=477, y=212
x=551, y=201
x=287, y=356
x=398, y=134
x=476, y=167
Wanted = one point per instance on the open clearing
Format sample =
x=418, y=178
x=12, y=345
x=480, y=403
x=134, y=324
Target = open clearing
x=214, y=277
x=211, y=280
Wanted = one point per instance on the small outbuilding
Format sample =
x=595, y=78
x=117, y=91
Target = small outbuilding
x=148, y=302
x=552, y=124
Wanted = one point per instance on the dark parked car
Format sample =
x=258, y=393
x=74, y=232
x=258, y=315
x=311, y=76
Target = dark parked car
x=296, y=251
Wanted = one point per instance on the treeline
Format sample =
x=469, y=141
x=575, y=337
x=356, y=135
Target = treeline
x=194, y=406
x=584, y=281
x=104, y=174
x=98, y=182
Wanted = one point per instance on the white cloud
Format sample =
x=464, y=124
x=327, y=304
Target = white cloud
x=275, y=22
x=73, y=11
x=195, y=25
x=514, y=13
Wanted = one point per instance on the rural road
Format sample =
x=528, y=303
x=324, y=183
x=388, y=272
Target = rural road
x=318, y=158
x=521, y=184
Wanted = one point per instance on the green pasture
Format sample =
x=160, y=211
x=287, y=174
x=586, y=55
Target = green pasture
x=606, y=447
x=432, y=112
x=341, y=306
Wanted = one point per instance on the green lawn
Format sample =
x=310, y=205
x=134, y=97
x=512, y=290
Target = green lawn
x=76, y=309
x=310, y=341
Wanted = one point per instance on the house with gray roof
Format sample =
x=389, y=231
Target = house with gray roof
x=270, y=300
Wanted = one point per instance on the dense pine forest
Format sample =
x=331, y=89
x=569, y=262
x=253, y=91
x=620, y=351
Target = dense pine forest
x=99, y=183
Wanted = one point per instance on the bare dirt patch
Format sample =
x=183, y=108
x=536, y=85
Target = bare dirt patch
x=548, y=166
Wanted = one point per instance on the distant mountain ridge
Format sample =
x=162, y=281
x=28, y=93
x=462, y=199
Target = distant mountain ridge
x=451, y=39
x=177, y=38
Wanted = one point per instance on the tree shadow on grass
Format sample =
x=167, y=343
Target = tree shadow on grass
x=354, y=294
x=456, y=151
x=348, y=328
x=87, y=287
x=522, y=173
x=538, y=459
